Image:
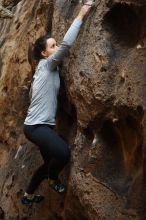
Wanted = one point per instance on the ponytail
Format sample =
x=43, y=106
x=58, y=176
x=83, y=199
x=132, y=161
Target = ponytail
x=31, y=59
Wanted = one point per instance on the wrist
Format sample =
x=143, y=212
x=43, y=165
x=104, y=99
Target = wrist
x=80, y=17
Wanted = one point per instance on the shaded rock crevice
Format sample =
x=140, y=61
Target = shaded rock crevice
x=101, y=111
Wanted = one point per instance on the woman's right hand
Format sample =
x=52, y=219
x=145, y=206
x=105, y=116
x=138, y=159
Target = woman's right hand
x=85, y=9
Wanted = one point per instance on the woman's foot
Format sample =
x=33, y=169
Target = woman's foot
x=34, y=199
x=57, y=186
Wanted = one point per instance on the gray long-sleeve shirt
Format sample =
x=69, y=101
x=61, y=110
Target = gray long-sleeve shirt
x=46, y=82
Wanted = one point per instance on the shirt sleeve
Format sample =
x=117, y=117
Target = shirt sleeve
x=67, y=42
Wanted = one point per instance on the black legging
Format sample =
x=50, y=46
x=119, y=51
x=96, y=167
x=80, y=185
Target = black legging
x=54, y=150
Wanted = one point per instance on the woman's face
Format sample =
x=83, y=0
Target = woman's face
x=51, y=47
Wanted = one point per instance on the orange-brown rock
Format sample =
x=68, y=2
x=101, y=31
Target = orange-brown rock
x=101, y=110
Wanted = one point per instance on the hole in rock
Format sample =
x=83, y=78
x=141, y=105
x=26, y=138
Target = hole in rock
x=122, y=152
x=1, y=213
x=123, y=22
x=74, y=1
x=5, y=89
x=88, y=134
x=10, y=4
x=117, y=156
x=13, y=134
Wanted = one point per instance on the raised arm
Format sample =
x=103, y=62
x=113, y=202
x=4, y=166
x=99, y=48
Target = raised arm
x=69, y=37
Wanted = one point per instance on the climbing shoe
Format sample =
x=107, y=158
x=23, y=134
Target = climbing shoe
x=35, y=199
x=57, y=186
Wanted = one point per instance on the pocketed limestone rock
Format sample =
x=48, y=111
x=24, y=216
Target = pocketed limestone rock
x=101, y=111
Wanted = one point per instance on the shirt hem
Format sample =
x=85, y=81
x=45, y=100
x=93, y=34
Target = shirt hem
x=38, y=123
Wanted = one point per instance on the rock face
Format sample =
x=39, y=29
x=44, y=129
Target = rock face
x=101, y=114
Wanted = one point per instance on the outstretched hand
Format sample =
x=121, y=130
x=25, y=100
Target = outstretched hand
x=86, y=8
x=88, y=2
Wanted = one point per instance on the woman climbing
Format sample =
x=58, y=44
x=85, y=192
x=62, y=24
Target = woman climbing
x=40, y=120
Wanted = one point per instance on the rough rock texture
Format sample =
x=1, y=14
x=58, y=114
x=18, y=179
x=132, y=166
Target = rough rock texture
x=103, y=118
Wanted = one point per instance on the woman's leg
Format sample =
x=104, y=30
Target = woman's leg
x=54, y=150
x=40, y=174
x=52, y=146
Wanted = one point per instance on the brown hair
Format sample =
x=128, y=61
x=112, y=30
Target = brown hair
x=31, y=59
x=35, y=49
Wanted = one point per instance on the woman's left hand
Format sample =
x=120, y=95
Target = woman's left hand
x=86, y=8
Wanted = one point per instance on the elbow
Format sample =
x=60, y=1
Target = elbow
x=66, y=44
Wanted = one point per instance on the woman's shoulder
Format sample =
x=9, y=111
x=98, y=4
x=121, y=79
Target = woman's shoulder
x=46, y=64
x=42, y=63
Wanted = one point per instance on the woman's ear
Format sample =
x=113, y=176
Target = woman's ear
x=44, y=53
